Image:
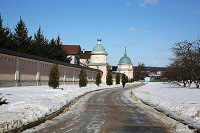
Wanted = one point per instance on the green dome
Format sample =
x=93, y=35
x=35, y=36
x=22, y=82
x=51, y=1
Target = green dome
x=99, y=48
x=125, y=59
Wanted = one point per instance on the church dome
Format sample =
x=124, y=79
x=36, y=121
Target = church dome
x=125, y=59
x=99, y=47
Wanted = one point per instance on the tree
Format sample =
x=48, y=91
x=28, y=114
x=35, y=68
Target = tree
x=98, y=79
x=185, y=66
x=21, y=38
x=126, y=79
x=40, y=45
x=123, y=80
x=140, y=72
x=131, y=80
x=54, y=76
x=56, y=51
x=5, y=36
x=109, y=80
x=187, y=55
x=118, y=78
x=83, y=78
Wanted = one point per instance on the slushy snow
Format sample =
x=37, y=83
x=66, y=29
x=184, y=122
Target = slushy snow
x=182, y=104
x=29, y=103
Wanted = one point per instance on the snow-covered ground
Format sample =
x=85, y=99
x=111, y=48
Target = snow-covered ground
x=28, y=104
x=180, y=103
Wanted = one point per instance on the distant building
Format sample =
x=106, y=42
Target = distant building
x=147, y=79
x=154, y=73
x=125, y=66
x=85, y=57
x=74, y=52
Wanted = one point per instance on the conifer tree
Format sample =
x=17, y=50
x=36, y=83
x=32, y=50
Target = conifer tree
x=83, y=78
x=109, y=80
x=40, y=44
x=56, y=51
x=62, y=54
x=126, y=79
x=123, y=80
x=118, y=78
x=98, y=79
x=5, y=36
x=21, y=38
x=54, y=76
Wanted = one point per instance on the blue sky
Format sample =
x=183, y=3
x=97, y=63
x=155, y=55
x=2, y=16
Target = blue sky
x=148, y=28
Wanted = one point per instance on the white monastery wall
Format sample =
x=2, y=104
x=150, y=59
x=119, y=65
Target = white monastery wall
x=19, y=71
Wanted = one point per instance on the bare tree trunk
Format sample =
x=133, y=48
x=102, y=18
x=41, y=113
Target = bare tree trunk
x=196, y=83
x=189, y=83
x=184, y=83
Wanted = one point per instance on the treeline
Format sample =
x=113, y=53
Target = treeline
x=39, y=45
x=185, y=66
x=140, y=72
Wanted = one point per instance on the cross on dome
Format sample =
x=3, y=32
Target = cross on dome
x=99, y=38
x=125, y=59
x=125, y=52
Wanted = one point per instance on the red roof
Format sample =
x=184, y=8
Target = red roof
x=72, y=49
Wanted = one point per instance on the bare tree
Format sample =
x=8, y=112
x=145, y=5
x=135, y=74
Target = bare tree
x=185, y=65
x=140, y=72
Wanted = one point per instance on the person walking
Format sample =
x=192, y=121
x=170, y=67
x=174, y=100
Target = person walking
x=123, y=80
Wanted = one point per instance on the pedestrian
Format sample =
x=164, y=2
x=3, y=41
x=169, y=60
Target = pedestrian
x=123, y=80
x=123, y=84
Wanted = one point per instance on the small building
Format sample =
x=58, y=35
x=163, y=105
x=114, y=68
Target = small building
x=74, y=52
x=147, y=79
x=125, y=66
x=155, y=73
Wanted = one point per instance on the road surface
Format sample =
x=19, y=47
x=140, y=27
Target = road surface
x=104, y=111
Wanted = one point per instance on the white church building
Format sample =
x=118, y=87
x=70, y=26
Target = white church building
x=98, y=60
x=125, y=66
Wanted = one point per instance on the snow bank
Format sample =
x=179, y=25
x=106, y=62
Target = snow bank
x=28, y=104
x=180, y=103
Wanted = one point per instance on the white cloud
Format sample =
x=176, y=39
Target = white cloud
x=118, y=45
x=161, y=33
x=157, y=42
x=128, y=3
x=145, y=31
x=166, y=43
x=147, y=2
x=135, y=30
x=132, y=29
x=131, y=42
x=175, y=32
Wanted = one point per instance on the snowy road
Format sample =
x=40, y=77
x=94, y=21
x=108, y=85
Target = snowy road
x=104, y=111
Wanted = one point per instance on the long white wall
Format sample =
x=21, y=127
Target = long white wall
x=17, y=71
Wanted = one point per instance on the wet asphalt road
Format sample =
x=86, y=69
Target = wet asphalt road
x=105, y=111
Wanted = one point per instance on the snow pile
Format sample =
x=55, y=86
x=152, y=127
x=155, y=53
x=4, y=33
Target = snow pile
x=180, y=103
x=28, y=104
